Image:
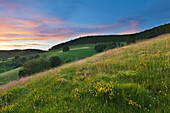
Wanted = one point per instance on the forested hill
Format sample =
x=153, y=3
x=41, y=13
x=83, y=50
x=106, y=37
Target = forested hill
x=150, y=33
x=12, y=53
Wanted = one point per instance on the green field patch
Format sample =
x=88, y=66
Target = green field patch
x=9, y=76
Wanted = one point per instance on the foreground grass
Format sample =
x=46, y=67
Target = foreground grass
x=9, y=76
x=133, y=78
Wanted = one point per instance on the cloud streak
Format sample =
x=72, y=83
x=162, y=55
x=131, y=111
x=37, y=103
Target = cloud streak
x=50, y=22
x=10, y=6
x=12, y=29
x=16, y=46
x=44, y=28
x=134, y=26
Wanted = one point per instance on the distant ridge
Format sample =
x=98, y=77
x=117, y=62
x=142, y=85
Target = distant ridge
x=149, y=33
x=4, y=54
x=17, y=50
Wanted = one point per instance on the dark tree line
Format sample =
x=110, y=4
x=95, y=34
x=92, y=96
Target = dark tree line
x=116, y=38
x=5, y=54
x=16, y=62
x=131, y=39
x=38, y=65
x=107, y=46
x=66, y=48
x=100, y=48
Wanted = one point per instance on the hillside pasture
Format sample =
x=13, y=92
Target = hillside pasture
x=9, y=76
x=133, y=78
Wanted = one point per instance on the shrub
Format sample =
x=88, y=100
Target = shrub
x=68, y=60
x=100, y=48
x=31, y=57
x=37, y=56
x=44, y=56
x=23, y=60
x=119, y=44
x=17, y=57
x=131, y=39
x=110, y=45
x=34, y=66
x=55, y=61
x=21, y=73
x=66, y=48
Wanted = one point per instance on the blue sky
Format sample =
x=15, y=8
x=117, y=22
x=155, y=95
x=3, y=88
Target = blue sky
x=41, y=24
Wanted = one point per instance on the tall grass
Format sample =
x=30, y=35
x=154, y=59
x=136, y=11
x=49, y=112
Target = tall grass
x=133, y=78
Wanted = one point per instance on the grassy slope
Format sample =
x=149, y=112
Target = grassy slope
x=9, y=76
x=4, y=67
x=12, y=74
x=129, y=79
x=73, y=54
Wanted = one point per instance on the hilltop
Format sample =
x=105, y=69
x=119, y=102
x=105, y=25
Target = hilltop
x=132, y=78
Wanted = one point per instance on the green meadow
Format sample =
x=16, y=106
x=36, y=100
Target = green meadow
x=75, y=53
x=9, y=76
x=130, y=79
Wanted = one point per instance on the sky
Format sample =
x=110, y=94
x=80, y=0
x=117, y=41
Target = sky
x=41, y=24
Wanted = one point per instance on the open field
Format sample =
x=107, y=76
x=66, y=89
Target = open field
x=76, y=52
x=133, y=78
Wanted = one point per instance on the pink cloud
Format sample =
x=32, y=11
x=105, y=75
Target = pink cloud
x=18, y=46
x=22, y=29
x=10, y=6
x=27, y=45
x=43, y=28
x=133, y=27
x=1, y=40
x=54, y=21
x=105, y=26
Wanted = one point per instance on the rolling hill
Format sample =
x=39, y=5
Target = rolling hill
x=132, y=78
x=5, y=54
x=88, y=41
x=147, y=34
x=76, y=52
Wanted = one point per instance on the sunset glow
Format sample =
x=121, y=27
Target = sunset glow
x=35, y=24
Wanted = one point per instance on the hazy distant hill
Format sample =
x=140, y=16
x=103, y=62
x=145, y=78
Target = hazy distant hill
x=163, y=29
x=4, y=54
